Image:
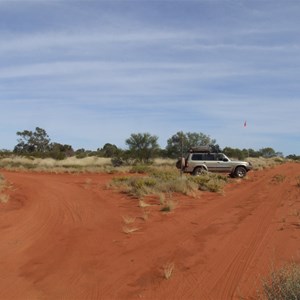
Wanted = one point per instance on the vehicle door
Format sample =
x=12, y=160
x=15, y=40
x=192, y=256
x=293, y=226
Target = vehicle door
x=211, y=162
x=223, y=163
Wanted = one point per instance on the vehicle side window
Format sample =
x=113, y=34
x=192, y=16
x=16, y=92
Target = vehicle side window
x=197, y=156
x=210, y=157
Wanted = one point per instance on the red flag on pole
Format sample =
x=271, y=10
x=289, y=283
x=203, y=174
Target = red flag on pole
x=245, y=124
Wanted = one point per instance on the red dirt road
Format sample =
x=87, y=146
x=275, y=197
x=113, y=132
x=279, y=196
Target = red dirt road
x=61, y=237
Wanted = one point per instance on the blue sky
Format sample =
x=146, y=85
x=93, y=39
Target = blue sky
x=92, y=72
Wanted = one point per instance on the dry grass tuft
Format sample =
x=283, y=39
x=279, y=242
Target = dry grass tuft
x=145, y=215
x=143, y=204
x=128, y=220
x=4, y=198
x=164, y=162
x=261, y=163
x=169, y=204
x=129, y=230
x=168, y=270
x=70, y=164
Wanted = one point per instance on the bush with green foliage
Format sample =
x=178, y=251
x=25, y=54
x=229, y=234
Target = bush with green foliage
x=143, y=147
x=181, y=143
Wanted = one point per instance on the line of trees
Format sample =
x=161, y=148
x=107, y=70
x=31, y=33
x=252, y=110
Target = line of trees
x=141, y=147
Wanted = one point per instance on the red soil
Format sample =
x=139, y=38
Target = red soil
x=61, y=237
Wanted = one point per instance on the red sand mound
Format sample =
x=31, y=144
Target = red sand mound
x=61, y=237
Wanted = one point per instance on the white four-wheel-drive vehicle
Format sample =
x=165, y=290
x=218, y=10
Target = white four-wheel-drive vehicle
x=201, y=160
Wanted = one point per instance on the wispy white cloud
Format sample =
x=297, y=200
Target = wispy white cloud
x=157, y=66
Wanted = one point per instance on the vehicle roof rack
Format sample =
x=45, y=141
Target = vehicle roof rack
x=201, y=149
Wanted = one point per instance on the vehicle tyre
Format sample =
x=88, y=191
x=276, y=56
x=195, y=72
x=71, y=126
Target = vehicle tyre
x=240, y=172
x=199, y=171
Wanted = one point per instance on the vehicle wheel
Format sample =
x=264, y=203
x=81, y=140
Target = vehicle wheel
x=240, y=172
x=199, y=171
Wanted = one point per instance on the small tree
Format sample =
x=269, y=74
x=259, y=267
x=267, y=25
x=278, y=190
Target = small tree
x=59, y=151
x=32, y=142
x=184, y=141
x=142, y=146
x=109, y=150
x=267, y=152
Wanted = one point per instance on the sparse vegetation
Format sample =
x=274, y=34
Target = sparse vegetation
x=140, y=169
x=168, y=181
x=278, y=178
x=3, y=197
x=261, y=163
x=282, y=284
x=70, y=164
x=169, y=205
x=210, y=182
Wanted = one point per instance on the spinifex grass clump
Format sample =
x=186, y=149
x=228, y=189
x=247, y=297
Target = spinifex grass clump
x=169, y=181
x=166, y=174
x=283, y=284
x=142, y=186
x=210, y=182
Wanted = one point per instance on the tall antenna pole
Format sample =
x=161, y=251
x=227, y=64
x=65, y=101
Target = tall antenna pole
x=181, y=163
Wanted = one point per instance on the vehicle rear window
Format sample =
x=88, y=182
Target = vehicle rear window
x=197, y=156
x=203, y=156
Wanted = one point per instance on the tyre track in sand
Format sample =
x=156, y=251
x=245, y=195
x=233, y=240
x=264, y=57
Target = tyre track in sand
x=52, y=223
x=234, y=235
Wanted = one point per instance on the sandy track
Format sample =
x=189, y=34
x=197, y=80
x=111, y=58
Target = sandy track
x=61, y=238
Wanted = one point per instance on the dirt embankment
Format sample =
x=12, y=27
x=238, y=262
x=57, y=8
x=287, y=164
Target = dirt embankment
x=61, y=237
